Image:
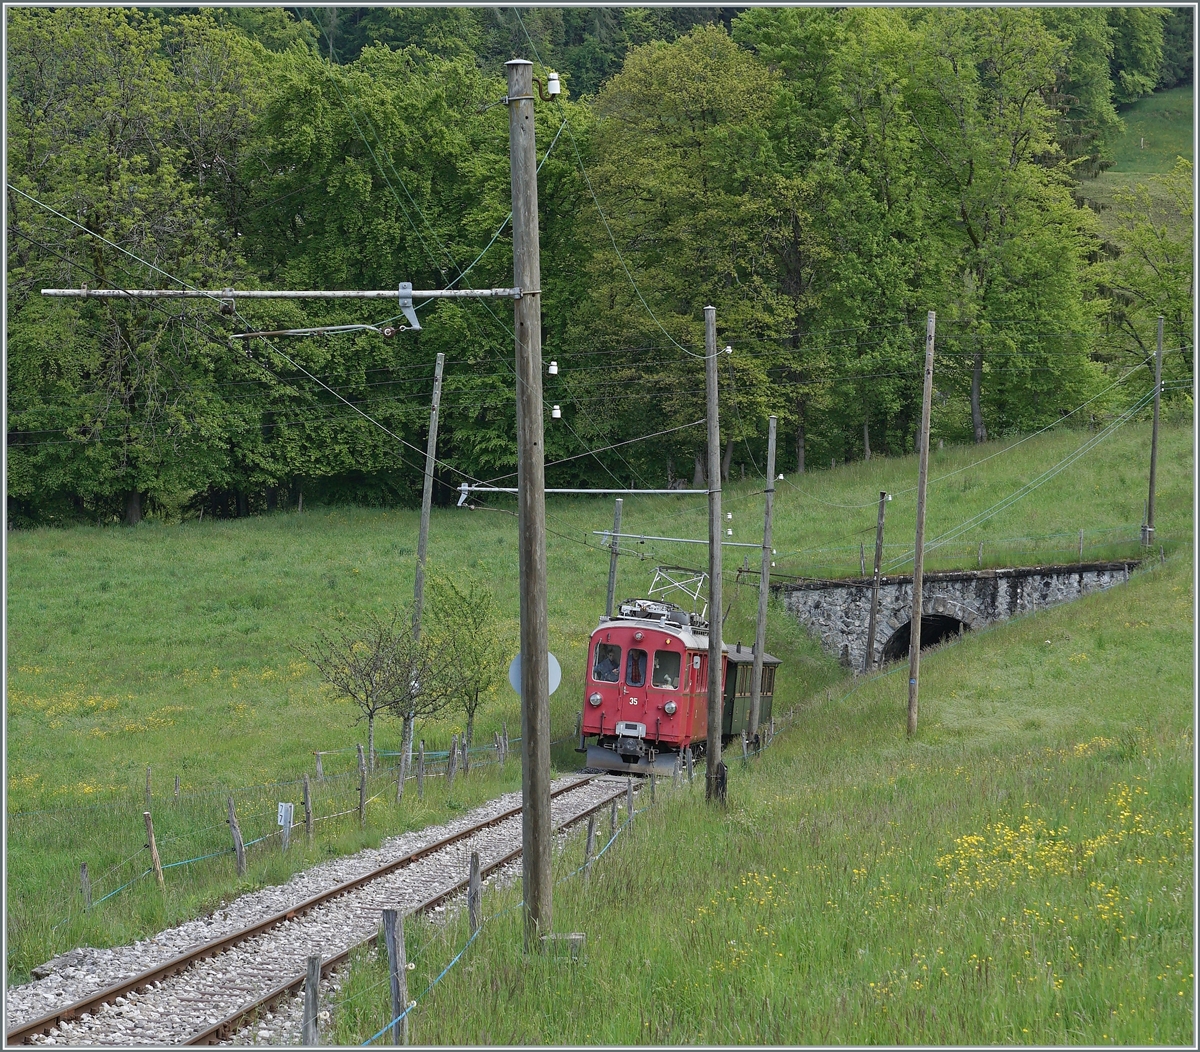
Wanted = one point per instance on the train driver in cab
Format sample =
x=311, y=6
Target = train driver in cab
x=608, y=663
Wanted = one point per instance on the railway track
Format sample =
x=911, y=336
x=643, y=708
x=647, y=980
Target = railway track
x=211, y=990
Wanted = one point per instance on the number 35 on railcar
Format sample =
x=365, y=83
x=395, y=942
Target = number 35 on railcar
x=646, y=688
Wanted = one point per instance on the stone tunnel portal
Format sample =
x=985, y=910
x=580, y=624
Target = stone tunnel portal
x=935, y=629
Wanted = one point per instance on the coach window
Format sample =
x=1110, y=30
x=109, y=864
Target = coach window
x=635, y=670
x=666, y=669
x=608, y=663
x=768, y=680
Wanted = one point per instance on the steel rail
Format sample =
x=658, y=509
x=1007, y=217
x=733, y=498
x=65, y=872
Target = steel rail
x=225, y=1028
x=176, y=965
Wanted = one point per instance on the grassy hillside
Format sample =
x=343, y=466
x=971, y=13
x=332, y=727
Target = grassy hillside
x=173, y=647
x=1158, y=129
x=1020, y=872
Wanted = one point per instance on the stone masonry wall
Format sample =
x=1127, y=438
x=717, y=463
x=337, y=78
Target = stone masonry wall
x=838, y=612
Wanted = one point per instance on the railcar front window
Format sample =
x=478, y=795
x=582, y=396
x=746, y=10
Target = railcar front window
x=635, y=671
x=666, y=669
x=607, y=666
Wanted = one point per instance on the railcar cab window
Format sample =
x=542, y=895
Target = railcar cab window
x=666, y=669
x=608, y=663
x=635, y=669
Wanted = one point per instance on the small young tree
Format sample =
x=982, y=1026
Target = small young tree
x=380, y=668
x=465, y=617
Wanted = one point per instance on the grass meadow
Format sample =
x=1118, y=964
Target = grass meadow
x=173, y=646
x=1158, y=129
x=1020, y=872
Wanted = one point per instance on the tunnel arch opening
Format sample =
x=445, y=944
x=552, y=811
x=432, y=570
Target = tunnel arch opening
x=935, y=629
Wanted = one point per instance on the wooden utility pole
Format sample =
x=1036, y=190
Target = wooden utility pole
x=427, y=499
x=764, y=588
x=1148, y=529
x=914, y=641
x=711, y=779
x=536, y=829
x=869, y=658
x=612, y=559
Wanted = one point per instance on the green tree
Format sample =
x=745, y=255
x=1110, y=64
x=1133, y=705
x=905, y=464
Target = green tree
x=1153, y=273
x=1137, y=50
x=465, y=621
x=106, y=130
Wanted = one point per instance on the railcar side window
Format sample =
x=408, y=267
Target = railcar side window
x=635, y=669
x=666, y=669
x=608, y=663
x=768, y=680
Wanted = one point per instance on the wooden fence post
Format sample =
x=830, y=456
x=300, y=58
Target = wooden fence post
x=400, y=774
x=362, y=797
x=393, y=936
x=362, y=763
x=687, y=759
x=653, y=779
x=474, y=894
x=312, y=993
x=421, y=770
x=979, y=557
x=612, y=819
x=466, y=760
x=154, y=850
x=676, y=770
x=504, y=740
x=629, y=800
x=177, y=788
x=239, y=849
x=85, y=883
x=451, y=763
x=308, y=817
x=496, y=744
x=589, y=847
x=320, y=772
x=1081, y=545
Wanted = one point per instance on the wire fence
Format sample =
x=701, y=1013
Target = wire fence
x=412, y=1005
x=785, y=721
x=335, y=796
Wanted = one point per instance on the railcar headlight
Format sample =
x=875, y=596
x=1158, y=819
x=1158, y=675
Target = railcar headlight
x=669, y=708
x=595, y=699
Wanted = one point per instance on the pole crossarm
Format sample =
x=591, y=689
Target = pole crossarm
x=465, y=488
x=680, y=540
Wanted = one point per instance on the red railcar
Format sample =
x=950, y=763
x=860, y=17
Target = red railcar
x=646, y=687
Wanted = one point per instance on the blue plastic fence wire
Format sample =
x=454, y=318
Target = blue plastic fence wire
x=408, y=1009
x=198, y=858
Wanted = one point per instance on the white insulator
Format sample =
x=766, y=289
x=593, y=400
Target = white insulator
x=556, y=413
x=553, y=370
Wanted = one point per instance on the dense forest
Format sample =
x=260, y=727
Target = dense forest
x=823, y=176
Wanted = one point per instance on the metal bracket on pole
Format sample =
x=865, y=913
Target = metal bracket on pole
x=406, y=304
x=463, y=492
x=227, y=304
